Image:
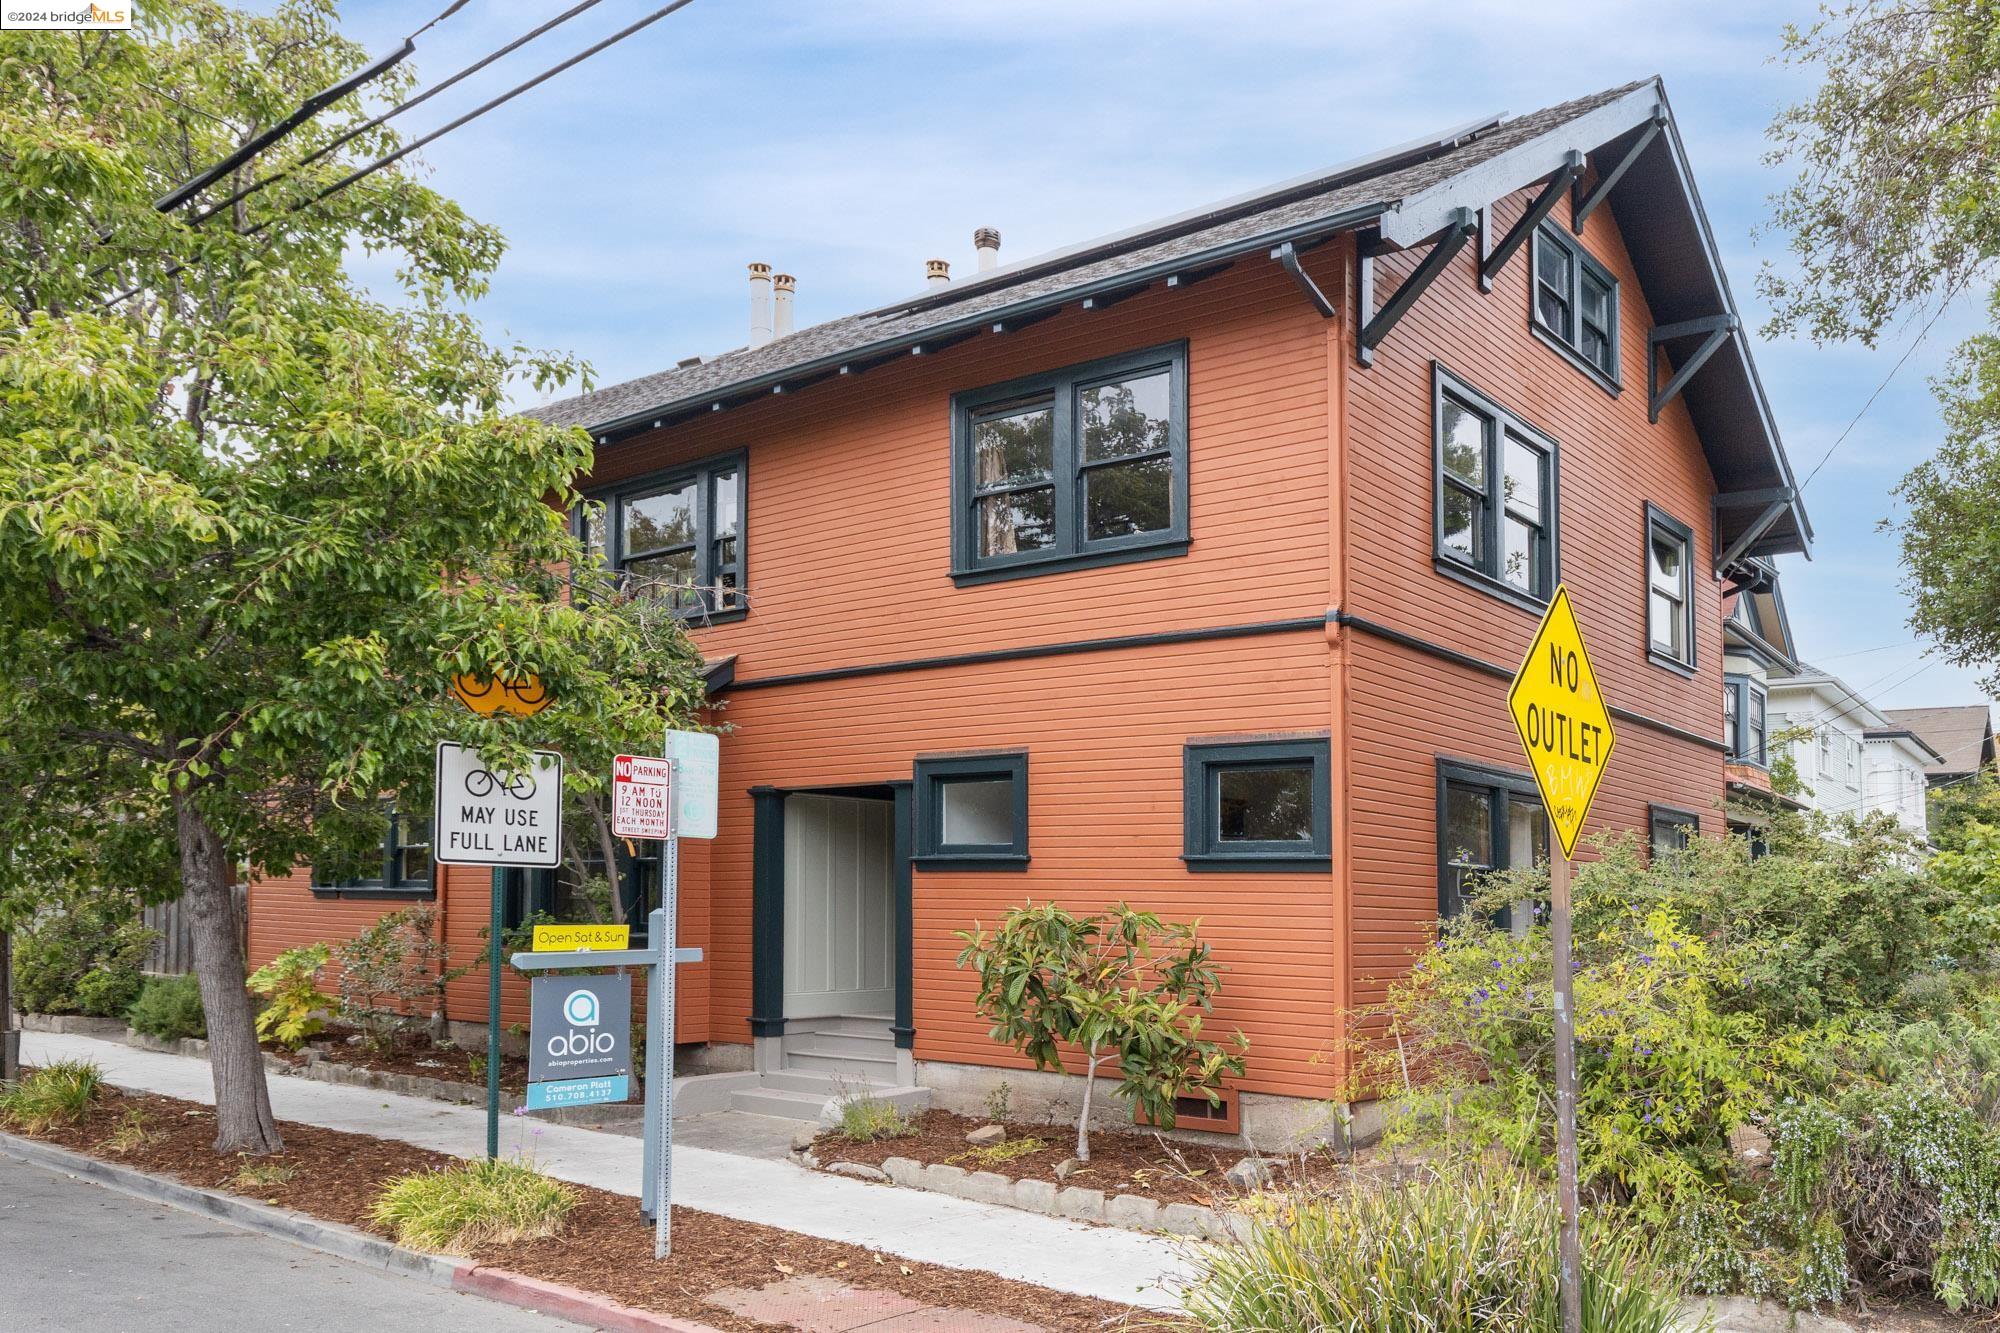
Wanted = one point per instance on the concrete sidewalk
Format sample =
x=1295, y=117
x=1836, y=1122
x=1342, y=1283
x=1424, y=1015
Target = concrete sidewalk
x=1103, y=1262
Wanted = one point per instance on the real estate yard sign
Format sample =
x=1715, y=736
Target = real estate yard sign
x=579, y=1041
x=1565, y=727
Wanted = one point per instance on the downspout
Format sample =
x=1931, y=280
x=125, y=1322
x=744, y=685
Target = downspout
x=1340, y=347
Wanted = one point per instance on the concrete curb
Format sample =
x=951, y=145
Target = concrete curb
x=342, y=1242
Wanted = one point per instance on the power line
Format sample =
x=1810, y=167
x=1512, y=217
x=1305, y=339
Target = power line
x=1943, y=305
x=392, y=112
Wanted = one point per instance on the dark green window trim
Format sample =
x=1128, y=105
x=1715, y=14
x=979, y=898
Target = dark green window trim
x=1203, y=765
x=933, y=775
x=1480, y=568
x=1669, y=829
x=711, y=567
x=1746, y=721
x=1499, y=788
x=1660, y=522
x=1069, y=548
x=1569, y=288
x=397, y=837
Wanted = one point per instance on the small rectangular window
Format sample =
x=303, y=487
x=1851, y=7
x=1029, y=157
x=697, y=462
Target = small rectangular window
x=1671, y=830
x=972, y=811
x=1496, y=494
x=677, y=537
x=1257, y=805
x=1576, y=304
x=1077, y=467
x=1670, y=626
x=1488, y=820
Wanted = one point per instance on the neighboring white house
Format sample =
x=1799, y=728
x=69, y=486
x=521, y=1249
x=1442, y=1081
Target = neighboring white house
x=1851, y=759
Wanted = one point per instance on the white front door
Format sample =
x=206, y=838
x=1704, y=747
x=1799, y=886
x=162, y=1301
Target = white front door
x=839, y=852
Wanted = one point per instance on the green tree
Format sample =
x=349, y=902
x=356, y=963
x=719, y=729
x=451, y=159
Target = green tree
x=253, y=514
x=1894, y=211
x=1117, y=985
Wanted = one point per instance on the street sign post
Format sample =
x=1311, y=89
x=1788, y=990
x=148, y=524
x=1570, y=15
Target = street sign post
x=1565, y=727
x=640, y=788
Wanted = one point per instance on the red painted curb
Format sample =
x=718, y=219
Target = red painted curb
x=551, y=1298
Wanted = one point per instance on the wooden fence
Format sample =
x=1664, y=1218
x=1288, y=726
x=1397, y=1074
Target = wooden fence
x=173, y=950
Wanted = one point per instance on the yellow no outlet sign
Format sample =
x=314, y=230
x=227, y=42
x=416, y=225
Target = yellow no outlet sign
x=1565, y=724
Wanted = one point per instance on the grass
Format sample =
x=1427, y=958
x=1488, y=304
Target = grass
x=133, y=1131
x=1459, y=1248
x=1004, y=1151
x=459, y=1208
x=865, y=1118
x=61, y=1093
x=263, y=1175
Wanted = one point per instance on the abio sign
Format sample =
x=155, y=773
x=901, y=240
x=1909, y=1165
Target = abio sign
x=579, y=1040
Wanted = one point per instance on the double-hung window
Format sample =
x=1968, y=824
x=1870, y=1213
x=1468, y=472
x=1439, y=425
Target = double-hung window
x=400, y=868
x=1743, y=721
x=1669, y=590
x=1496, y=494
x=1576, y=304
x=677, y=536
x=1488, y=820
x=1258, y=805
x=1080, y=467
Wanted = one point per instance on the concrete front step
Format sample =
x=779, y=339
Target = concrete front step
x=869, y=1068
x=880, y=1045
x=859, y=1025
x=786, y=1102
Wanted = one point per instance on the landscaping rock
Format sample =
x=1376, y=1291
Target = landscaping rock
x=1068, y=1167
x=986, y=1134
x=860, y=1171
x=943, y=1178
x=905, y=1172
x=803, y=1137
x=1186, y=1219
x=988, y=1187
x=1082, y=1204
x=1750, y=1145
x=1133, y=1210
x=1249, y=1174
x=1035, y=1196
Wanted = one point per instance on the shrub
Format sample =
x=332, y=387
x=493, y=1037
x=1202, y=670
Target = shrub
x=459, y=1208
x=82, y=957
x=394, y=973
x=864, y=1118
x=169, y=1008
x=59, y=1093
x=290, y=982
x=1118, y=985
x=1462, y=1247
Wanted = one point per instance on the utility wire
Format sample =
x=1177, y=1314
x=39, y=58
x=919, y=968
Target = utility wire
x=391, y=159
x=1943, y=305
x=392, y=112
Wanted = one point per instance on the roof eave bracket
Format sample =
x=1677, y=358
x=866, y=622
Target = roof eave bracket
x=1586, y=204
x=1751, y=535
x=1446, y=248
x=1492, y=262
x=1717, y=327
x=1287, y=256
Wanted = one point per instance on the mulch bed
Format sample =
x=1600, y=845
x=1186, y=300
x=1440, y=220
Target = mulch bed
x=407, y=1053
x=605, y=1246
x=1139, y=1163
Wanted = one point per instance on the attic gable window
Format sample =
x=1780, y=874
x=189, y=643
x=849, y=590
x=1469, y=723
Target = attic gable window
x=1078, y=467
x=676, y=535
x=1576, y=304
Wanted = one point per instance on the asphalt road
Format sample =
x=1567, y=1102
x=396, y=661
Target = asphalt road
x=78, y=1258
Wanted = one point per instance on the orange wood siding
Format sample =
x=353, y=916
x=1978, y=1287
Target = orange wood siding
x=1408, y=708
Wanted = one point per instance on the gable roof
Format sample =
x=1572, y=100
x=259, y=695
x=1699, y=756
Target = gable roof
x=1962, y=737
x=1754, y=621
x=1405, y=197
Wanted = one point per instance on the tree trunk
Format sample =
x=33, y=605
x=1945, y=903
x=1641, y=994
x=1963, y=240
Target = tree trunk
x=1083, y=1121
x=243, y=1120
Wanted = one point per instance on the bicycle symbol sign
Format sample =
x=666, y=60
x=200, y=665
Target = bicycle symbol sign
x=487, y=817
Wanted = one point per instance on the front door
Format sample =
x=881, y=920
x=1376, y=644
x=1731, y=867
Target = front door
x=839, y=922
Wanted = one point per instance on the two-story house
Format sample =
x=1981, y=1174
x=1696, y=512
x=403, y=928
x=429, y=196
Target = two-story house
x=1187, y=567
x=1850, y=757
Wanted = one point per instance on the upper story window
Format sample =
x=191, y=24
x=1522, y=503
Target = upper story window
x=1669, y=590
x=1743, y=721
x=1496, y=494
x=1080, y=467
x=676, y=535
x=402, y=868
x=1576, y=303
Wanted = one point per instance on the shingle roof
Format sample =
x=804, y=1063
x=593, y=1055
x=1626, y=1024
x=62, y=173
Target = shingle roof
x=1343, y=197
x=1962, y=735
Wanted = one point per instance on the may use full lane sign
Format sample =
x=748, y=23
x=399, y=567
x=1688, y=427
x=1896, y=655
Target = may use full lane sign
x=488, y=818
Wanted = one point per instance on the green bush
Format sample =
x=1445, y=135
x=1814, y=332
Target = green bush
x=169, y=1008
x=394, y=974
x=60, y=1093
x=1461, y=1247
x=295, y=1004
x=460, y=1208
x=82, y=958
x=865, y=1118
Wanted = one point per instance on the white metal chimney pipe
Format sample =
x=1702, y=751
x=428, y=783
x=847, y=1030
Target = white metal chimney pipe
x=760, y=304
x=783, y=285
x=987, y=242
x=937, y=273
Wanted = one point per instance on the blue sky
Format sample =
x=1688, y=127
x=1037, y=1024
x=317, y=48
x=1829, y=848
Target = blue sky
x=848, y=142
